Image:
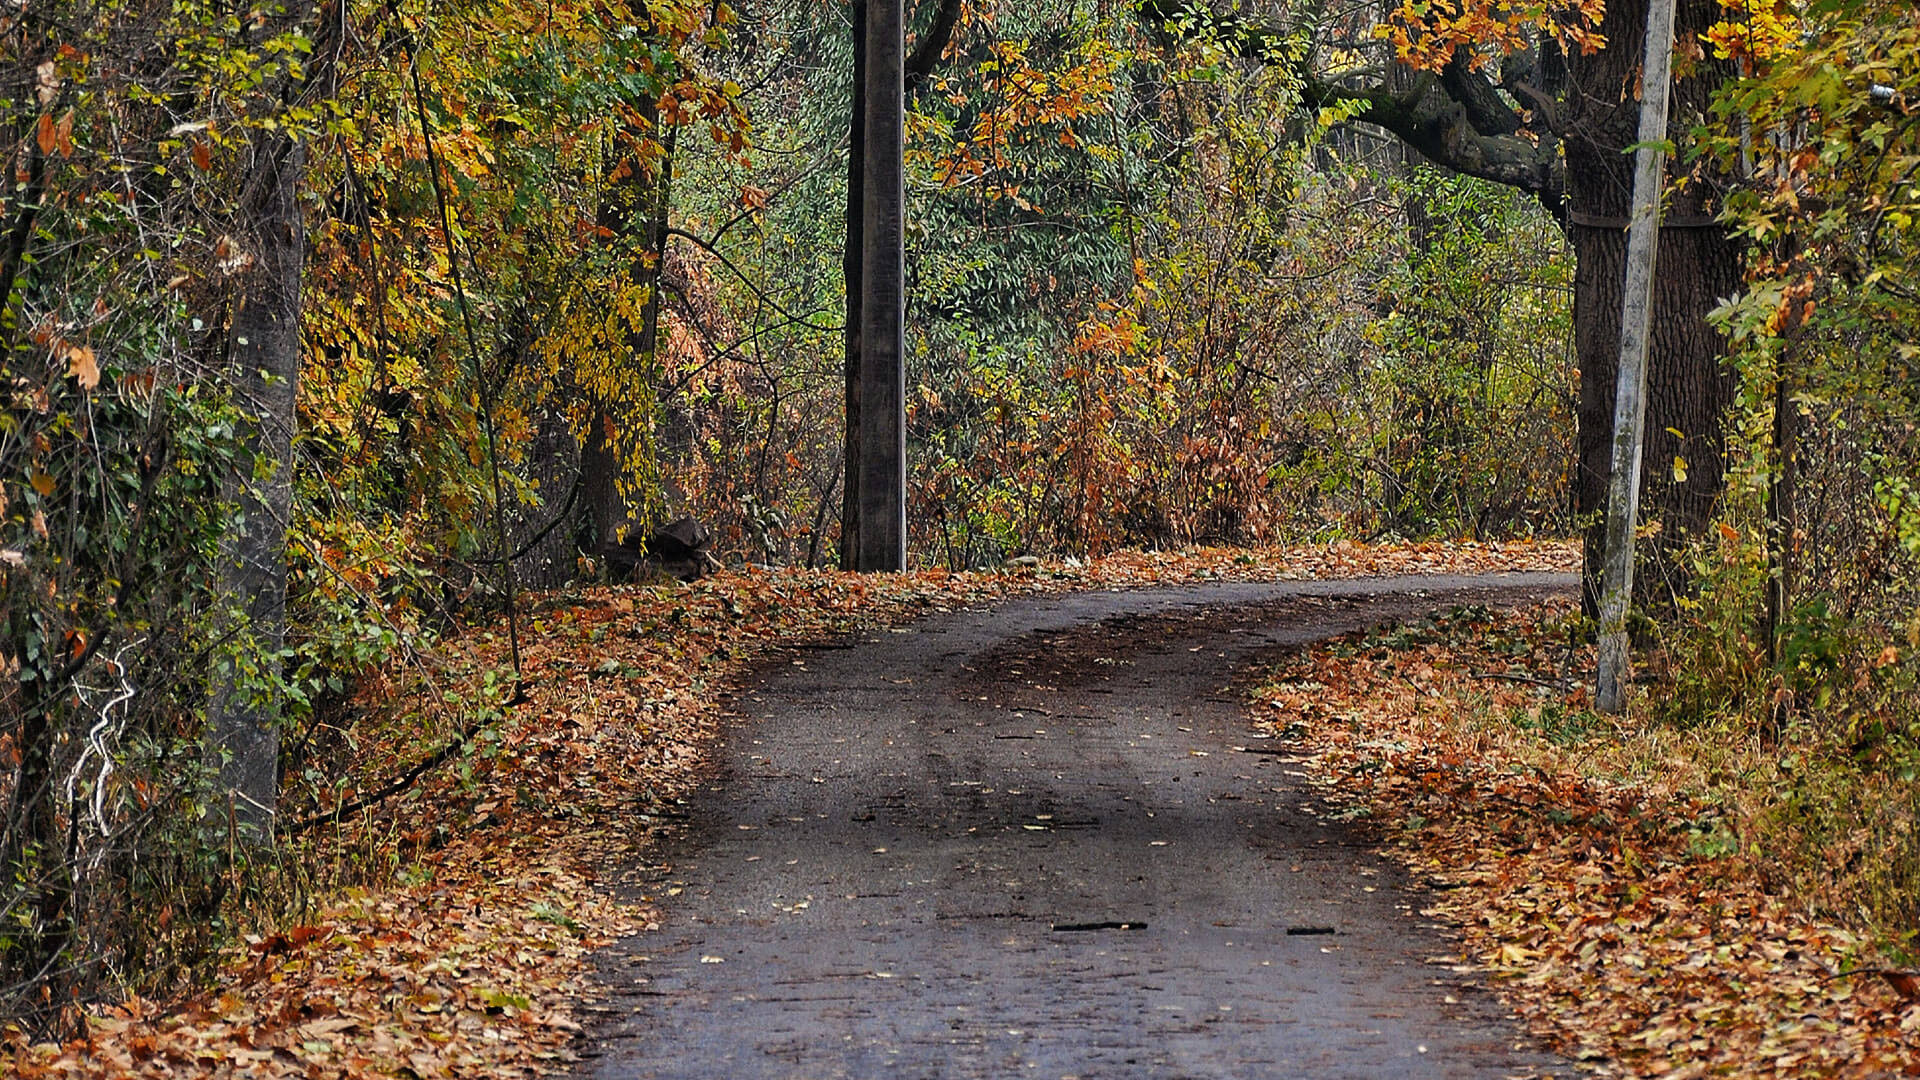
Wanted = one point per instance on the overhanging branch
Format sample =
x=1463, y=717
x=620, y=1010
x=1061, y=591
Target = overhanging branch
x=934, y=44
x=1432, y=121
x=1456, y=119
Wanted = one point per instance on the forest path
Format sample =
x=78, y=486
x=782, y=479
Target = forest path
x=1041, y=840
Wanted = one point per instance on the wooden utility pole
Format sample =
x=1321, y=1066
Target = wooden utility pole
x=876, y=420
x=851, y=257
x=1636, y=323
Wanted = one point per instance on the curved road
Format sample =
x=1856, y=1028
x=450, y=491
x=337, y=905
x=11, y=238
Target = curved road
x=1042, y=841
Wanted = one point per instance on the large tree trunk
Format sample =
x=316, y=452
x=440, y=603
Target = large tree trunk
x=1688, y=387
x=606, y=509
x=265, y=354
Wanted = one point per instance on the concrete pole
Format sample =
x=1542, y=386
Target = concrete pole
x=1630, y=397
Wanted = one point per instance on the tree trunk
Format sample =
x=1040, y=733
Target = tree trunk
x=1688, y=386
x=635, y=200
x=1629, y=414
x=265, y=352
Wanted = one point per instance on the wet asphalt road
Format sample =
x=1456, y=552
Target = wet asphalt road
x=1043, y=841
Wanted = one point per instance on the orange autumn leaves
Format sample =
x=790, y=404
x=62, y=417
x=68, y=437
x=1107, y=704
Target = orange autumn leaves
x=1592, y=874
x=1428, y=33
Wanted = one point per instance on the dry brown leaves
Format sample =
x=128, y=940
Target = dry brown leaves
x=472, y=959
x=1590, y=878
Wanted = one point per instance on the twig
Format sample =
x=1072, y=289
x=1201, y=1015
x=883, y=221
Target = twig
x=1550, y=684
x=394, y=786
x=1830, y=976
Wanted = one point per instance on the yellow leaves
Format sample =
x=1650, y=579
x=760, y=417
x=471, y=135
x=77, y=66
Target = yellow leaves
x=1514, y=956
x=1427, y=33
x=1755, y=31
x=1116, y=336
x=1020, y=103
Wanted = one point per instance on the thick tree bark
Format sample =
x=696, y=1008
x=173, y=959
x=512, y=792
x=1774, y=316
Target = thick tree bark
x=1688, y=386
x=265, y=353
x=599, y=481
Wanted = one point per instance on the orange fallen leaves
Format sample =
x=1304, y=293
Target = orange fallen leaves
x=1607, y=902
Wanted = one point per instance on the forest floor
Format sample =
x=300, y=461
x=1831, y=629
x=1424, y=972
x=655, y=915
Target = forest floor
x=1594, y=864
x=454, y=936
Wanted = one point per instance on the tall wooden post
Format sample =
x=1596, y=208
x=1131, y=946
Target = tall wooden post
x=1630, y=398
x=851, y=257
x=879, y=429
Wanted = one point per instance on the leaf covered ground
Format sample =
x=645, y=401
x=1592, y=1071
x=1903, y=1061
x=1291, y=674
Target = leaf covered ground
x=1594, y=867
x=462, y=946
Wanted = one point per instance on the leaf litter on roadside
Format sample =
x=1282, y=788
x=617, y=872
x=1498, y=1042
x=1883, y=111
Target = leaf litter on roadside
x=471, y=957
x=1587, y=867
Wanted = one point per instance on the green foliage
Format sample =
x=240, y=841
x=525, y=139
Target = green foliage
x=131, y=125
x=1474, y=379
x=117, y=469
x=1305, y=346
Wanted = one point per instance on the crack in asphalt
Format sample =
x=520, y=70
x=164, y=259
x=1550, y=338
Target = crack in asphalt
x=1038, y=840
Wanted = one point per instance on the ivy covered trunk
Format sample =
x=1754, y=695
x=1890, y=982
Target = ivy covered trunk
x=1689, y=387
x=264, y=342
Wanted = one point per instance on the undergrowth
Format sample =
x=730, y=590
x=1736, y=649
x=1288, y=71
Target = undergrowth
x=1815, y=744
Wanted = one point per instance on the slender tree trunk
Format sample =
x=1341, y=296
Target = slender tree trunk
x=881, y=541
x=265, y=351
x=1689, y=387
x=635, y=200
x=1782, y=488
x=1781, y=517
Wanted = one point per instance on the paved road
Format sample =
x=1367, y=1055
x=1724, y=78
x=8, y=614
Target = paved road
x=1042, y=841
